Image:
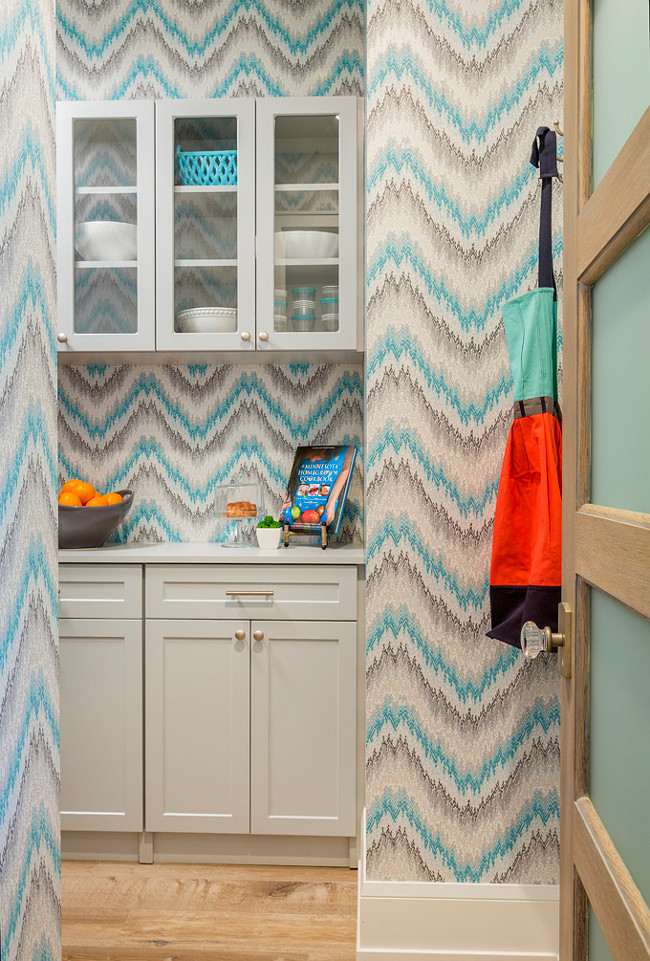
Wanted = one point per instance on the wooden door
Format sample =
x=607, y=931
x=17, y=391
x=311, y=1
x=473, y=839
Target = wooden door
x=303, y=722
x=197, y=726
x=605, y=788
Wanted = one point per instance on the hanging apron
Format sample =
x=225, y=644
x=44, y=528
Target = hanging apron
x=526, y=568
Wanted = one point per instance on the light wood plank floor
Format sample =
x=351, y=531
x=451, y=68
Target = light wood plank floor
x=183, y=912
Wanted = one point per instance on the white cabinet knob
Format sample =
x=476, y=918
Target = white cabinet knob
x=263, y=335
x=240, y=635
x=245, y=335
x=258, y=635
x=62, y=337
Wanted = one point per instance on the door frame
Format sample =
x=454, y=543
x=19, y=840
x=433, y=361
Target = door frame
x=606, y=548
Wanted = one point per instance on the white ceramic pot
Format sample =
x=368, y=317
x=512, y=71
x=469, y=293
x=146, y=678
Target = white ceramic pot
x=268, y=538
x=106, y=240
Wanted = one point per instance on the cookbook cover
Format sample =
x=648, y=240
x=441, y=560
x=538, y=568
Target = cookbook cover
x=318, y=488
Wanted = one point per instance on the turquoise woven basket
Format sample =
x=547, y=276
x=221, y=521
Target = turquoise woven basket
x=207, y=168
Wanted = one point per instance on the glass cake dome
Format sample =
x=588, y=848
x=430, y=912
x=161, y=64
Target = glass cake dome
x=240, y=506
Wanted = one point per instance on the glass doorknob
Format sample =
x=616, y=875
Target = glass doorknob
x=534, y=640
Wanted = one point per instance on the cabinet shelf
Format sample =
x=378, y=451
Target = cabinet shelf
x=209, y=189
x=90, y=191
x=105, y=264
x=204, y=262
x=308, y=262
x=307, y=188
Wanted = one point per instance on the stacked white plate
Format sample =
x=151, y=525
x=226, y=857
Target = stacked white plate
x=207, y=320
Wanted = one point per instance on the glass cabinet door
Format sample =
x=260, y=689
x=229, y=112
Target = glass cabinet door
x=205, y=225
x=105, y=226
x=307, y=223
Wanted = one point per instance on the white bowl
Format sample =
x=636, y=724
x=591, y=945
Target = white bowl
x=106, y=240
x=207, y=320
x=306, y=243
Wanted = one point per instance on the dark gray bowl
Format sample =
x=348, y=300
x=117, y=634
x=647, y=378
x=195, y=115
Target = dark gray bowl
x=90, y=526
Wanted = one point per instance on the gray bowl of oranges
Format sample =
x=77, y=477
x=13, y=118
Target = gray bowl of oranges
x=86, y=517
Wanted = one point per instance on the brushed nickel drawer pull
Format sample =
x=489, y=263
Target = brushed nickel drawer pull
x=249, y=593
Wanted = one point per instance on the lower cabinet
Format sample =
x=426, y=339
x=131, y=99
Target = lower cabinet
x=101, y=724
x=273, y=698
x=249, y=715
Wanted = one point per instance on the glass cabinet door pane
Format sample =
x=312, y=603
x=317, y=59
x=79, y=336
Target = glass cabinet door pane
x=306, y=223
x=205, y=224
x=105, y=152
x=105, y=226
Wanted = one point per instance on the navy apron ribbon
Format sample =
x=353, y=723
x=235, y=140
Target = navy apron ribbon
x=544, y=156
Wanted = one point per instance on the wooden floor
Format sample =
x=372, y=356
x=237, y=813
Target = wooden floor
x=182, y=912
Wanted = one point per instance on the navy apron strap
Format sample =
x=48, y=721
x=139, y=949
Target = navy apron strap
x=544, y=156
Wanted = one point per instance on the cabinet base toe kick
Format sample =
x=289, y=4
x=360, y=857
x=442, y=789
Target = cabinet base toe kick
x=162, y=848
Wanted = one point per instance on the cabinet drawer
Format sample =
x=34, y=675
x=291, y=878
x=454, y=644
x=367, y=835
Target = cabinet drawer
x=251, y=591
x=100, y=590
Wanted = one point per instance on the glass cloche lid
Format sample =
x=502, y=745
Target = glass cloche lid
x=240, y=499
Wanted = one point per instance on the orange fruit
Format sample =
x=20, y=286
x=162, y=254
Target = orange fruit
x=81, y=488
x=85, y=491
x=69, y=498
x=70, y=485
x=97, y=501
x=113, y=498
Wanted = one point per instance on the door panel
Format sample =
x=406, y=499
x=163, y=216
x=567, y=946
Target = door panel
x=620, y=440
x=197, y=727
x=619, y=722
x=621, y=76
x=101, y=724
x=303, y=716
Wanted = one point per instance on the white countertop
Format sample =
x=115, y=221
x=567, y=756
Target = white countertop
x=175, y=553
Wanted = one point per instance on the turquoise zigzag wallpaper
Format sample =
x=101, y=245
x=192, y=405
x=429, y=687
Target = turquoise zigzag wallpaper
x=463, y=737
x=173, y=433
x=216, y=48
x=29, y=732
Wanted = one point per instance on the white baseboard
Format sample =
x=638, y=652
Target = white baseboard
x=428, y=921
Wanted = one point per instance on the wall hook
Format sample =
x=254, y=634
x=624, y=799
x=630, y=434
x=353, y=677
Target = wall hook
x=558, y=129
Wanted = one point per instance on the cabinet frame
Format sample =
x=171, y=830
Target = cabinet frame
x=155, y=336
x=67, y=112
x=167, y=112
x=268, y=108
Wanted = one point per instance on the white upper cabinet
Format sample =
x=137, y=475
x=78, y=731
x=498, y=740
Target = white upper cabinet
x=307, y=244
x=205, y=224
x=209, y=225
x=105, y=226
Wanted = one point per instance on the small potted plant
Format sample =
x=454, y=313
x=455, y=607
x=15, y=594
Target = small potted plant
x=268, y=534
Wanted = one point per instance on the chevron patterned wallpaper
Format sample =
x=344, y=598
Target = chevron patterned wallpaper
x=213, y=48
x=174, y=433
x=29, y=734
x=463, y=737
